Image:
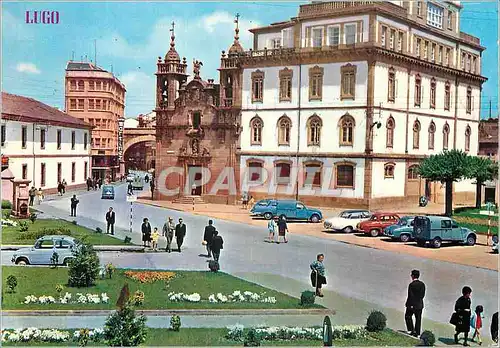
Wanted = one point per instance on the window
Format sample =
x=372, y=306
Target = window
x=72, y=104
x=467, y=139
x=447, y=57
x=389, y=170
x=468, y=106
x=91, y=85
x=105, y=86
x=418, y=47
x=24, y=136
x=42, y=174
x=435, y=15
x=91, y=104
x=255, y=171
x=42, y=138
x=392, y=39
x=73, y=140
x=345, y=175
x=196, y=119
x=348, y=82
x=314, y=130
x=445, y=224
x=317, y=37
x=256, y=131
x=467, y=68
x=350, y=34
x=104, y=104
x=440, y=55
x=81, y=85
x=433, y=94
x=283, y=173
x=446, y=135
x=59, y=139
x=433, y=52
x=81, y=104
x=391, y=95
x=400, y=41
x=426, y=49
x=449, y=19
x=59, y=172
x=447, y=95
x=418, y=90
x=24, y=171
x=72, y=85
x=85, y=140
x=383, y=36
x=287, y=38
x=4, y=134
x=413, y=172
x=462, y=61
x=432, y=131
x=98, y=85
x=419, y=8
x=346, y=125
x=257, y=86
x=312, y=174
x=98, y=104
x=85, y=170
x=286, y=76
x=284, y=126
x=73, y=171
x=416, y=134
x=315, y=83
x=473, y=65
x=389, y=136
x=333, y=35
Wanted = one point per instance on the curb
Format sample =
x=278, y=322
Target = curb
x=136, y=249
x=167, y=312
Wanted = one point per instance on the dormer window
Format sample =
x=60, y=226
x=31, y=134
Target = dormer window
x=435, y=15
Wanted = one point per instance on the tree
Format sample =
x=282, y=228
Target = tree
x=482, y=169
x=447, y=167
x=84, y=268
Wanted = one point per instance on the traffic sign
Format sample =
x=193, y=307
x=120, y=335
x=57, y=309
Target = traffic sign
x=131, y=198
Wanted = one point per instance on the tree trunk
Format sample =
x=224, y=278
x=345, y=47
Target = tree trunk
x=448, y=198
x=479, y=191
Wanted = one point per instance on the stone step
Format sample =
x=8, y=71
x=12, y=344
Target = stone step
x=189, y=200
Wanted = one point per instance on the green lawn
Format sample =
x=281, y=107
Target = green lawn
x=474, y=213
x=216, y=337
x=12, y=235
x=156, y=294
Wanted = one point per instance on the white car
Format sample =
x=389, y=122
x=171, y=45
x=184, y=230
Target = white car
x=130, y=177
x=347, y=220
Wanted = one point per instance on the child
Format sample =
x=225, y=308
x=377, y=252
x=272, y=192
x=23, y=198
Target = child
x=476, y=322
x=155, y=236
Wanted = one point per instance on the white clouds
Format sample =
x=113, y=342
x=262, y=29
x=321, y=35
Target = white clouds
x=140, y=95
x=28, y=68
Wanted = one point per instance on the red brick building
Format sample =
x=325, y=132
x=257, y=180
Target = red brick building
x=197, y=131
x=488, y=147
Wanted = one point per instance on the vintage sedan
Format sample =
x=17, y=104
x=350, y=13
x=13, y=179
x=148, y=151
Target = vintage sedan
x=377, y=222
x=346, y=221
x=402, y=230
x=44, y=248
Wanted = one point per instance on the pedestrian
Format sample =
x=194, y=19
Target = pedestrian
x=217, y=245
x=110, y=221
x=476, y=322
x=168, y=233
x=96, y=183
x=64, y=184
x=39, y=193
x=146, y=178
x=272, y=227
x=244, y=200
x=318, y=278
x=60, y=188
x=130, y=189
x=251, y=202
x=146, y=232
x=152, y=187
x=180, y=233
x=100, y=183
x=155, y=236
x=32, y=194
x=208, y=237
x=494, y=327
x=414, y=304
x=462, y=314
x=282, y=229
x=89, y=183
x=193, y=189
x=74, y=203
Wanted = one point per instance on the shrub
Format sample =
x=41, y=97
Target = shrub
x=33, y=217
x=376, y=321
x=127, y=240
x=138, y=298
x=11, y=283
x=213, y=266
x=74, y=222
x=83, y=337
x=6, y=215
x=175, y=323
x=45, y=232
x=98, y=230
x=427, y=339
x=252, y=339
x=6, y=204
x=110, y=269
x=307, y=298
x=84, y=268
x=124, y=328
x=59, y=288
x=23, y=226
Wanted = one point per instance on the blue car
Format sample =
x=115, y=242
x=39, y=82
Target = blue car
x=108, y=192
x=290, y=209
x=402, y=230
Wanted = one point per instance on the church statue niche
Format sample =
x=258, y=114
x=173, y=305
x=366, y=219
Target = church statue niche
x=195, y=147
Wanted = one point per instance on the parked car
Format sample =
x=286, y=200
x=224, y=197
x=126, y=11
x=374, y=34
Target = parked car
x=138, y=183
x=290, y=209
x=377, y=222
x=437, y=229
x=402, y=230
x=43, y=249
x=108, y=192
x=494, y=249
x=265, y=208
x=347, y=220
x=130, y=177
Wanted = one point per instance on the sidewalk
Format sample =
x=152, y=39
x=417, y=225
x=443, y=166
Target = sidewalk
x=115, y=248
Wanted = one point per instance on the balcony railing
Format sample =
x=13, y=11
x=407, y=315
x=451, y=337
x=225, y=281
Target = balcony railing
x=469, y=38
x=171, y=68
x=334, y=6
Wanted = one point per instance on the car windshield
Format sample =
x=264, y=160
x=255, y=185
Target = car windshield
x=403, y=222
x=345, y=215
x=263, y=203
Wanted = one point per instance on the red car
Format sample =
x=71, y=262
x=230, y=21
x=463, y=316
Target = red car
x=376, y=224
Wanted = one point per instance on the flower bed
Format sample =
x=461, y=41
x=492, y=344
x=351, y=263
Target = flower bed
x=236, y=296
x=149, y=276
x=68, y=299
x=32, y=334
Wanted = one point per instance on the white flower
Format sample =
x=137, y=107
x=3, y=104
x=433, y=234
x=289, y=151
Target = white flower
x=104, y=297
x=212, y=299
x=76, y=334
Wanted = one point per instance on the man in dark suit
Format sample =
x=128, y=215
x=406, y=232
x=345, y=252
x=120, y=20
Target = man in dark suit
x=180, y=233
x=217, y=245
x=414, y=304
x=208, y=236
x=110, y=219
x=74, y=203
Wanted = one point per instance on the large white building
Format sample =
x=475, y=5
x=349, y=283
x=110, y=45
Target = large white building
x=43, y=144
x=352, y=95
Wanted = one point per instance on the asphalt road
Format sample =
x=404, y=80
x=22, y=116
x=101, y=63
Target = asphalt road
x=376, y=276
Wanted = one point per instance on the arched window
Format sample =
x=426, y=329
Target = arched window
x=256, y=125
x=433, y=93
x=447, y=95
x=416, y=134
x=467, y=138
x=432, y=131
x=446, y=135
x=389, y=170
x=346, y=125
x=344, y=175
x=413, y=172
x=314, y=125
x=389, y=137
x=284, y=126
x=468, y=101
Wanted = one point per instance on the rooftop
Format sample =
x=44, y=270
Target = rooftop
x=82, y=66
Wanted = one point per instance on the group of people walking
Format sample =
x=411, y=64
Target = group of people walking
x=61, y=187
x=150, y=237
x=212, y=241
x=279, y=226
x=33, y=192
x=94, y=183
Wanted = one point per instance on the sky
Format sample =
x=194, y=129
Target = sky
x=129, y=37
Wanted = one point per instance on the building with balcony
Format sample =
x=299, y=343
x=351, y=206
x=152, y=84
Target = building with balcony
x=43, y=144
x=340, y=104
x=97, y=97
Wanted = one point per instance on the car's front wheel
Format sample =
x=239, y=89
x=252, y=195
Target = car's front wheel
x=22, y=261
x=268, y=216
x=348, y=229
x=404, y=238
x=374, y=233
x=315, y=218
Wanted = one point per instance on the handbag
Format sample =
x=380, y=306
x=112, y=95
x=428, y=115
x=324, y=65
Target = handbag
x=204, y=242
x=454, y=319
